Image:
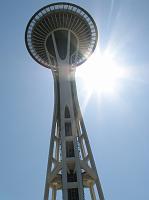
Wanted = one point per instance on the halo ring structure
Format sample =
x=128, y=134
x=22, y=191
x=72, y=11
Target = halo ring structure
x=59, y=19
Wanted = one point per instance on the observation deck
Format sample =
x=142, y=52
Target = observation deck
x=61, y=30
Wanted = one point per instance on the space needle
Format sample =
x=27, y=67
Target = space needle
x=61, y=36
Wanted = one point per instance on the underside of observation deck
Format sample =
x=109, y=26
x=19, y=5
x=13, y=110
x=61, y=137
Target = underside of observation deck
x=59, y=18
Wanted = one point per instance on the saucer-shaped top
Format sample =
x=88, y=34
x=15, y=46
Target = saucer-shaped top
x=58, y=31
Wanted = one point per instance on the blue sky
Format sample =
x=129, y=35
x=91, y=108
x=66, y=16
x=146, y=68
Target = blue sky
x=118, y=129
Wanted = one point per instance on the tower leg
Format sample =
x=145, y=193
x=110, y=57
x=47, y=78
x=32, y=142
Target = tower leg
x=46, y=192
x=53, y=134
x=86, y=140
x=92, y=192
x=54, y=194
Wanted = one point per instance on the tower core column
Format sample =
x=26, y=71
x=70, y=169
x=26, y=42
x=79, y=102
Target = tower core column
x=71, y=168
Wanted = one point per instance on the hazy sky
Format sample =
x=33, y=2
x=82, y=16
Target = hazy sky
x=118, y=128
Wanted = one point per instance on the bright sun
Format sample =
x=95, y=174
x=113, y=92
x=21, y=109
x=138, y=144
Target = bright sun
x=102, y=74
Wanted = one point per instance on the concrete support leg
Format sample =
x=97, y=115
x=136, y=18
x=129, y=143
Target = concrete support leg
x=92, y=192
x=46, y=193
x=53, y=194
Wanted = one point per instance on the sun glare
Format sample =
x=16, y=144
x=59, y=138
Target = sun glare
x=102, y=74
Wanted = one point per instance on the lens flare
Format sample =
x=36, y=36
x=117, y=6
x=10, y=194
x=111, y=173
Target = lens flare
x=102, y=74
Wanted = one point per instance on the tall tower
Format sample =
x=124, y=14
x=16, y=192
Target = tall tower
x=61, y=36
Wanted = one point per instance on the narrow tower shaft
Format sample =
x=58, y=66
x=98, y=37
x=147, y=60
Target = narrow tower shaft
x=75, y=166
